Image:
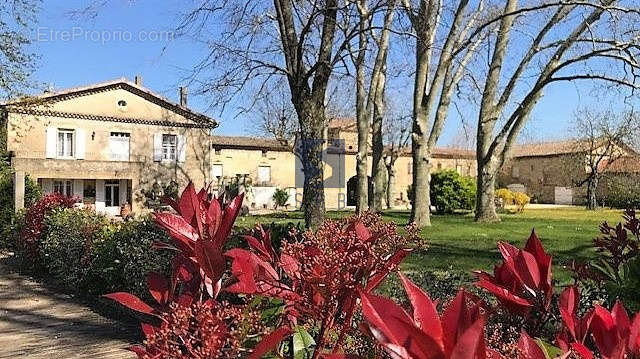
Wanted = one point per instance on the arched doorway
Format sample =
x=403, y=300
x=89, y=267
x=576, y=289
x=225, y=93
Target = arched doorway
x=352, y=191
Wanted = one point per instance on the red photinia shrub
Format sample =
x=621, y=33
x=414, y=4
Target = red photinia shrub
x=522, y=282
x=34, y=218
x=576, y=329
x=456, y=334
x=191, y=323
x=203, y=330
x=319, y=274
x=619, y=244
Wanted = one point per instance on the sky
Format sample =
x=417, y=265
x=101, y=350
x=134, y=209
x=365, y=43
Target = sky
x=132, y=37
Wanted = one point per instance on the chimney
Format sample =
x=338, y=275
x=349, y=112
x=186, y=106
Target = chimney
x=138, y=80
x=183, y=96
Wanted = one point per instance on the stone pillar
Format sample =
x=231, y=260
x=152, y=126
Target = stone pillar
x=18, y=190
x=123, y=191
x=100, y=196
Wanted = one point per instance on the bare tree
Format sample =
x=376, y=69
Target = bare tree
x=443, y=50
x=276, y=117
x=602, y=138
x=252, y=43
x=567, y=41
x=368, y=97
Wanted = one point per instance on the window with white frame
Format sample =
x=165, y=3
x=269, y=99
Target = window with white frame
x=119, y=146
x=515, y=172
x=63, y=187
x=169, y=147
x=64, y=145
x=264, y=174
x=216, y=171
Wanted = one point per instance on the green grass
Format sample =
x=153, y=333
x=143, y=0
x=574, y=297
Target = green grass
x=457, y=242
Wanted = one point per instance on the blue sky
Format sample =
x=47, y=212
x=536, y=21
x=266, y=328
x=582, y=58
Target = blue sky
x=80, y=60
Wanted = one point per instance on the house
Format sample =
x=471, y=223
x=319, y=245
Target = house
x=108, y=144
x=551, y=172
x=268, y=164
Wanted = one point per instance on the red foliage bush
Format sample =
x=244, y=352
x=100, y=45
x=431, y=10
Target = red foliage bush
x=32, y=231
x=320, y=275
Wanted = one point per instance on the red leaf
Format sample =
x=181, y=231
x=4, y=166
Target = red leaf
x=158, y=287
x=634, y=335
x=583, y=351
x=228, y=218
x=504, y=294
x=528, y=348
x=361, y=231
x=130, y=301
x=210, y=259
x=378, y=310
x=270, y=342
x=185, y=203
x=214, y=217
x=391, y=265
x=470, y=342
x=181, y=232
x=424, y=311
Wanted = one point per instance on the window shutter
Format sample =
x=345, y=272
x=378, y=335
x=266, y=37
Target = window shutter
x=50, y=151
x=81, y=143
x=182, y=148
x=78, y=189
x=157, y=147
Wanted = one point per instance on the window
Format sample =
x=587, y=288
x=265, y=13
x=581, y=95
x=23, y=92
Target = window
x=63, y=187
x=515, y=172
x=439, y=166
x=216, y=171
x=218, y=151
x=112, y=193
x=119, y=146
x=169, y=147
x=64, y=146
x=264, y=153
x=264, y=174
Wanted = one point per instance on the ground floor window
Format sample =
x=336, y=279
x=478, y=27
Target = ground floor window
x=112, y=193
x=63, y=187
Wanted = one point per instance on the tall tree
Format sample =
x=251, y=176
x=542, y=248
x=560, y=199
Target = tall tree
x=368, y=97
x=397, y=136
x=250, y=44
x=17, y=61
x=443, y=50
x=602, y=140
x=575, y=40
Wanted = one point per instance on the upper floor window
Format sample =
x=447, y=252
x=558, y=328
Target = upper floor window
x=169, y=147
x=119, y=146
x=64, y=145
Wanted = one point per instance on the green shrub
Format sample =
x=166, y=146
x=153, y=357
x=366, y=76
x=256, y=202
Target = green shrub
x=68, y=242
x=7, y=213
x=450, y=191
x=280, y=197
x=622, y=192
x=122, y=262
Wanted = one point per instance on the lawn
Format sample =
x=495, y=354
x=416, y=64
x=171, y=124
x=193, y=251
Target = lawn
x=457, y=242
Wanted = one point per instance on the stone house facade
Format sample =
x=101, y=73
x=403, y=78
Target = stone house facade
x=269, y=164
x=106, y=144
x=550, y=172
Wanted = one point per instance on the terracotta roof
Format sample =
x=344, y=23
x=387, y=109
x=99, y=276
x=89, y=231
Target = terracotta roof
x=244, y=142
x=624, y=165
x=344, y=124
x=550, y=148
x=446, y=152
x=121, y=83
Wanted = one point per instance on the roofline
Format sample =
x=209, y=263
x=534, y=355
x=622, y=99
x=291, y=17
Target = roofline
x=117, y=83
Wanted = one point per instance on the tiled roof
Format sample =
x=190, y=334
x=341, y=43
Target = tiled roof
x=550, y=148
x=122, y=83
x=344, y=124
x=624, y=165
x=249, y=143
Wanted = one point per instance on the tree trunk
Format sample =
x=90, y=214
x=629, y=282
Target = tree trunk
x=485, y=196
x=391, y=184
x=420, y=210
x=378, y=169
x=311, y=118
x=592, y=186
